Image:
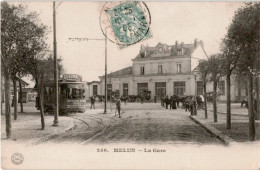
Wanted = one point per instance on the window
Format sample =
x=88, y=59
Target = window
x=160, y=69
x=179, y=88
x=160, y=50
x=125, y=90
x=160, y=89
x=109, y=90
x=72, y=91
x=199, y=87
x=179, y=52
x=221, y=86
x=141, y=87
x=95, y=90
x=142, y=70
x=178, y=68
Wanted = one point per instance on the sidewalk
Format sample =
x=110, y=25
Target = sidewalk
x=239, y=131
x=235, y=108
x=27, y=128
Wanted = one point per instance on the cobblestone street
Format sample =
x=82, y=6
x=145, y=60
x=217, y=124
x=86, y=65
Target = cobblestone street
x=156, y=126
x=140, y=123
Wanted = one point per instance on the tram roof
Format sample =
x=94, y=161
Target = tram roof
x=64, y=82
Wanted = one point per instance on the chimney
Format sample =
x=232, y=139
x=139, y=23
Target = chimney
x=202, y=43
x=142, y=48
x=176, y=43
x=196, y=42
x=142, y=51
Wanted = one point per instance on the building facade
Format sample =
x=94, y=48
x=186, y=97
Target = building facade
x=93, y=89
x=167, y=70
x=163, y=70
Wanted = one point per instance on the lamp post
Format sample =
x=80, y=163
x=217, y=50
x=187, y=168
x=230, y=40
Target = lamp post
x=105, y=40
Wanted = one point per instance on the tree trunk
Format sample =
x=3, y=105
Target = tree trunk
x=2, y=97
x=21, y=95
x=7, y=105
x=251, y=109
x=246, y=87
x=41, y=104
x=239, y=90
x=257, y=117
x=228, y=101
x=215, y=101
x=205, y=98
x=15, y=99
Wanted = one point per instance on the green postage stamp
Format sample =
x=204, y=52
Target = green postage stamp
x=125, y=23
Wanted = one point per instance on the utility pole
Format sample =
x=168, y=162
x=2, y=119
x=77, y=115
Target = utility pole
x=105, y=109
x=56, y=84
x=196, y=105
x=98, y=39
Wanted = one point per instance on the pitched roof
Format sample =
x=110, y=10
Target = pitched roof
x=93, y=82
x=170, y=51
x=121, y=72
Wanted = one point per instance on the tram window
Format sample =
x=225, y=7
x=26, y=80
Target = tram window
x=74, y=92
x=68, y=92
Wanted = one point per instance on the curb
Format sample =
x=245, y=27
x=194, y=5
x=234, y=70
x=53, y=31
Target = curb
x=225, y=112
x=212, y=130
x=49, y=137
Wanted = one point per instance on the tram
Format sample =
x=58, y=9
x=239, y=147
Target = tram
x=72, y=95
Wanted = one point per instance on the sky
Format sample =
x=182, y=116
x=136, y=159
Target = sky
x=170, y=21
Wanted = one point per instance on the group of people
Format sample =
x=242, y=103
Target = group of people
x=189, y=103
x=173, y=102
x=117, y=101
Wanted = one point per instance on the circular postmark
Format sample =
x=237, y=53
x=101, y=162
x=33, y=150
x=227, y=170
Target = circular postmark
x=17, y=158
x=125, y=23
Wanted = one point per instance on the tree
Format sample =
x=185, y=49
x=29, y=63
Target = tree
x=203, y=70
x=244, y=33
x=215, y=62
x=19, y=31
x=40, y=66
x=230, y=59
x=21, y=96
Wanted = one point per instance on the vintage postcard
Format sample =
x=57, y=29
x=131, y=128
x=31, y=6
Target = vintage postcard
x=130, y=85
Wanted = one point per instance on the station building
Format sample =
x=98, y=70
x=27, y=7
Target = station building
x=164, y=70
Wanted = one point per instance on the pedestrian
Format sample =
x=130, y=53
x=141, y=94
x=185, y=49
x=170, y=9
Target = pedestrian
x=187, y=104
x=112, y=98
x=192, y=106
x=101, y=101
x=177, y=100
x=162, y=101
x=244, y=101
x=174, y=99
x=92, y=100
x=118, y=106
x=167, y=101
x=125, y=100
x=142, y=99
x=170, y=102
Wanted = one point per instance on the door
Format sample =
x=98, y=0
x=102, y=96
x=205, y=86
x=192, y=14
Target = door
x=160, y=89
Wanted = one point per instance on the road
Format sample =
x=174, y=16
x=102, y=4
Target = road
x=147, y=123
